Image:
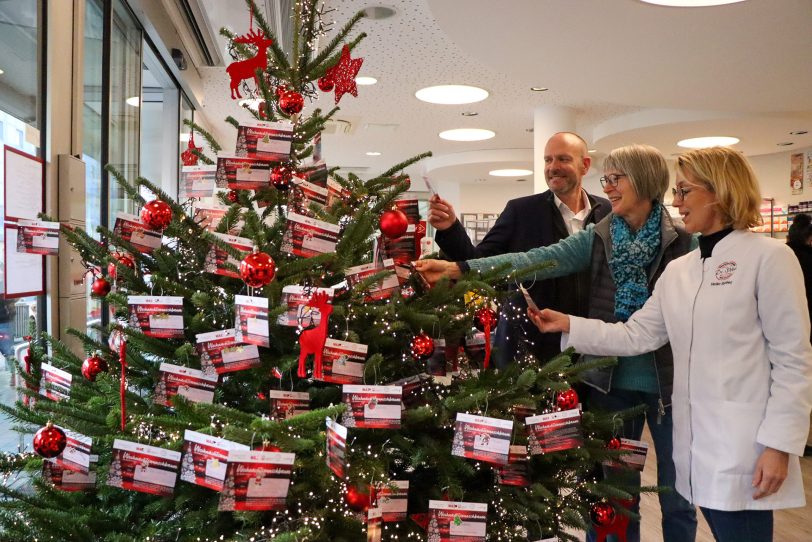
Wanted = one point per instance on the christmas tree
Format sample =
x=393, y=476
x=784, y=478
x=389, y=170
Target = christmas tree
x=274, y=370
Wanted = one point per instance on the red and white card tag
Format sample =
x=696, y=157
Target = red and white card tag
x=296, y=299
x=256, y=480
x=68, y=480
x=76, y=455
x=554, y=432
x=381, y=289
x=220, y=353
x=38, y=237
x=130, y=228
x=54, y=382
x=194, y=385
x=220, y=262
x=374, y=524
x=457, y=521
x=336, y=448
x=308, y=237
x=243, y=173
x=143, y=468
x=634, y=456
x=372, y=407
x=304, y=196
x=482, y=438
x=343, y=362
x=157, y=316
x=251, y=320
x=205, y=458
x=286, y=404
x=393, y=500
x=515, y=473
x=197, y=181
x=265, y=140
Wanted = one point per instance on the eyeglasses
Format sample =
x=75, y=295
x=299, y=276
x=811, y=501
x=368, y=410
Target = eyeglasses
x=680, y=193
x=611, y=179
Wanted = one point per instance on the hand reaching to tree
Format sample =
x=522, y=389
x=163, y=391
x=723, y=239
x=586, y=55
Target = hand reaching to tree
x=441, y=213
x=434, y=270
x=549, y=321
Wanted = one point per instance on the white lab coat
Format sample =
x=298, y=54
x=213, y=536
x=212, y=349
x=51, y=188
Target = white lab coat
x=739, y=329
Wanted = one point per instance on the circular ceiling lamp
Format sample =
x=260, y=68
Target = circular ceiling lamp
x=365, y=80
x=510, y=172
x=704, y=142
x=691, y=3
x=451, y=94
x=467, y=134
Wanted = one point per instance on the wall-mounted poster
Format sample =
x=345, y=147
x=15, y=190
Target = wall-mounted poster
x=796, y=173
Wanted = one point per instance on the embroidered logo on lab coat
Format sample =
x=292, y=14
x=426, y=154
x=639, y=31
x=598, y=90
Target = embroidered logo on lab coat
x=724, y=273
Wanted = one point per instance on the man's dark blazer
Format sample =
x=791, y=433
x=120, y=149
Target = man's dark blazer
x=526, y=223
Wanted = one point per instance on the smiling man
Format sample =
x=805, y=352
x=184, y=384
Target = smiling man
x=526, y=223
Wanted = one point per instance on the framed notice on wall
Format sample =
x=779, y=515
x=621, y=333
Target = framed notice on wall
x=24, y=183
x=23, y=273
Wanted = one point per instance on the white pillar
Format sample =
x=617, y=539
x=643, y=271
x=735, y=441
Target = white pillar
x=547, y=120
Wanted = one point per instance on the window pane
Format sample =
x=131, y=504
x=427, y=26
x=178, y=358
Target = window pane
x=20, y=122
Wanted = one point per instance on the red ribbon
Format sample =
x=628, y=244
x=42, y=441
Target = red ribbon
x=487, y=342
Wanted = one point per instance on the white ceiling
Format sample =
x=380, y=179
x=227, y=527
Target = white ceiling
x=633, y=72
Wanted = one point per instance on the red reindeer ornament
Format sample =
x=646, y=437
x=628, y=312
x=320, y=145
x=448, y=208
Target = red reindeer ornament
x=246, y=69
x=311, y=341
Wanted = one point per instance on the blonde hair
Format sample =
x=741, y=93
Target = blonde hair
x=644, y=166
x=726, y=173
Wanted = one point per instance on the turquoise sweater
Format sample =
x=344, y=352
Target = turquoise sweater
x=572, y=255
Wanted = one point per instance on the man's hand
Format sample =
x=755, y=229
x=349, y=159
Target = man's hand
x=434, y=270
x=771, y=471
x=549, y=321
x=441, y=213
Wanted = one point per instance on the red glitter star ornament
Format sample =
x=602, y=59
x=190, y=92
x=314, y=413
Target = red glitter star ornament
x=343, y=74
x=188, y=156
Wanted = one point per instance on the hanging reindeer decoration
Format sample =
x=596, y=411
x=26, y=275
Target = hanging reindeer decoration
x=247, y=69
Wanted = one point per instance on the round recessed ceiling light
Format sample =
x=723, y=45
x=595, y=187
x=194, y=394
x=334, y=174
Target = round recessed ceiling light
x=795, y=132
x=373, y=153
x=510, y=172
x=785, y=143
x=704, y=142
x=366, y=80
x=134, y=101
x=467, y=134
x=539, y=89
x=2, y=72
x=691, y=3
x=592, y=151
x=451, y=94
x=379, y=12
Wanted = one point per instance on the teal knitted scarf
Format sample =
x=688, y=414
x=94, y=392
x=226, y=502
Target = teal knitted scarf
x=632, y=254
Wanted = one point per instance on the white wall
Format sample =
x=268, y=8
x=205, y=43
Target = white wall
x=484, y=198
x=772, y=171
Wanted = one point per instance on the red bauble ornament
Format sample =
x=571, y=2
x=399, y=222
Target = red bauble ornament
x=359, y=499
x=268, y=447
x=100, y=287
x=92, y=366
x=123, y=259
x=485, y=317
x=262, y=109
x=188, y=156
x=602, y=514
x=394, y=223
x=567, y=399
x=421, y=347
x=156, y=214
x=291, y=102
x=280, y=90
x=233, y=196
x=614, y=443
x=257, y=269
x=326, y=84
x=281, y=176
x=50, y=441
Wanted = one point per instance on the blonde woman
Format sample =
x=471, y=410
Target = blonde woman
x=736, y=318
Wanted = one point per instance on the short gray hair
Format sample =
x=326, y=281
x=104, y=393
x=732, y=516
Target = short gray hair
x=644, y=166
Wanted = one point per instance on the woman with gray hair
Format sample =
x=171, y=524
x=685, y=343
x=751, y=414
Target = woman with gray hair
x=626, y=253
